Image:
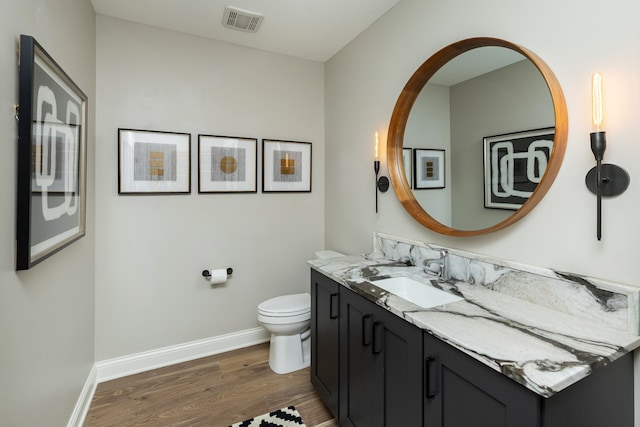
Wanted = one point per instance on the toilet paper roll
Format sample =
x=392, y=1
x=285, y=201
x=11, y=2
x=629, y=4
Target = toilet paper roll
x=218, y=276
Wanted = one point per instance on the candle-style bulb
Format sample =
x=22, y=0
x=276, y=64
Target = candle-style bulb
x=596, y=101
x=376, y=145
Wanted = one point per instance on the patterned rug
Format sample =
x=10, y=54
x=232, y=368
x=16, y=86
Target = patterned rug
x=285, y=417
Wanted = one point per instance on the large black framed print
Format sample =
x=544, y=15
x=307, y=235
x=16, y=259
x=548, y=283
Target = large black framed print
x=52, y=157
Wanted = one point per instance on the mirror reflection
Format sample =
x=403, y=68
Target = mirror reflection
x=474, y=131
x=484, y=92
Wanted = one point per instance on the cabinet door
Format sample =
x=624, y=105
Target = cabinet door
x=402, y=351
x=325, y=339
x=381, y=366
x=462, y=392
x=361, y=384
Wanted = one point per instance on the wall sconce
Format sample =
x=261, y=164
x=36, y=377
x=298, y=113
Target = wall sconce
x=604, y=179
x=382, y=183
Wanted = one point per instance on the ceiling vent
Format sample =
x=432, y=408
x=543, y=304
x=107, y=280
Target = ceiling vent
x=240, y=19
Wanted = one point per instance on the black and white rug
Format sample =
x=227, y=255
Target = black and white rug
x=285, y=417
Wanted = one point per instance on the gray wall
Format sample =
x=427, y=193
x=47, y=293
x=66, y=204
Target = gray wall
x=364, y=80
x=150, y=250
x=46, y=313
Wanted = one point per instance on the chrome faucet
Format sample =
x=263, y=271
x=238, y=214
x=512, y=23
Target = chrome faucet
x=439, y=265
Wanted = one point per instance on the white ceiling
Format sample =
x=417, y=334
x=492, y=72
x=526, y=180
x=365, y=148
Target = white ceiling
x=308, y=29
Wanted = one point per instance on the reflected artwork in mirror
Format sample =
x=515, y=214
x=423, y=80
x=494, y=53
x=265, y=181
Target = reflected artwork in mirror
x=465, y=93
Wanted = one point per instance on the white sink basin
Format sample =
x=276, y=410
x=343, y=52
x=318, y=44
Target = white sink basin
x=418, y=293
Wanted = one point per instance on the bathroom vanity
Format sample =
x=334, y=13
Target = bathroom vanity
x=524, y=346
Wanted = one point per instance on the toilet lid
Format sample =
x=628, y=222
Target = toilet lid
x=286, y=305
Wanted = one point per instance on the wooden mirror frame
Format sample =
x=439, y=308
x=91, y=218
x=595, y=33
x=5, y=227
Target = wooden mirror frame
x=400, y=117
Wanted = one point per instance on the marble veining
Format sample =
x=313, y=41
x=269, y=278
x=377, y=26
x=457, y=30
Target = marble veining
x=615, y=304
x=518, y=320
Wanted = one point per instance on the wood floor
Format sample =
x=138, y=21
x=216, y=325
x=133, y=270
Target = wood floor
x=213, y=391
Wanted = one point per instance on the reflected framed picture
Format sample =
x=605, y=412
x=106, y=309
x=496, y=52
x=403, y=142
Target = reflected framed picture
x=408, y=165
x=52, y=157
x=286, y=166
x=428, y=169
x=514, y=164
x=227, y=164
x=153, y=162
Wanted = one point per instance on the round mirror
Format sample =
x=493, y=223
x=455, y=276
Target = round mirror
x=477, y=137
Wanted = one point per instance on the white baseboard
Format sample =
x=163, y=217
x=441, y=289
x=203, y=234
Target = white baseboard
x=140, y=362
x=84, y=401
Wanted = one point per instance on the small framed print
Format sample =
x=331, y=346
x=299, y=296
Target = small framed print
x=286, y=166
x=153, y=162
x=428, y=169
x=514, y=164
x=227, y=164
x=408, y=165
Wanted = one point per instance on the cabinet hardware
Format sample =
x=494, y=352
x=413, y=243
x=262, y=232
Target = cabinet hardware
x=429, y=363
x=366, y=330
x=377, y=338
x=334, y=308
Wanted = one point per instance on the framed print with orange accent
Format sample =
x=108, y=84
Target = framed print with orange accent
x=153, y=162
x=428, y=169
x=227, y=164
x=286, y=166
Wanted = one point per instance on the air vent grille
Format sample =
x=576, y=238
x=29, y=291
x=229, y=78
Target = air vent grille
x=240, y=19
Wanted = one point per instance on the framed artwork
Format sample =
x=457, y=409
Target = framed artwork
x=408, y=165
x=227, y=164
x=514, y=164
x=52, y=157
x=286, y=166
x=153, y=162
x=428, y=169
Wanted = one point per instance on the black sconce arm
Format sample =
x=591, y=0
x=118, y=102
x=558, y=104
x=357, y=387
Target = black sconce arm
x=604, y=179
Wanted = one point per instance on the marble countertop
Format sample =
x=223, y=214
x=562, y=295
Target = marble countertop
x=543, y=349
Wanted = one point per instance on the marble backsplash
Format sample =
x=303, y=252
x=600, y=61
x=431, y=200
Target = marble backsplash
x=613, y=304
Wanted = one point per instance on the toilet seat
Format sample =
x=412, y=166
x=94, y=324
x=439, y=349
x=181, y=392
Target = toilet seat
x=288, y=319
x=286, y=306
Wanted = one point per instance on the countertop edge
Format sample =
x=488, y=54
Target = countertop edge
x=533, y=375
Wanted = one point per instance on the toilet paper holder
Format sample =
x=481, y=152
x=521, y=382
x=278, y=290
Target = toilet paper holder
x=207, y=274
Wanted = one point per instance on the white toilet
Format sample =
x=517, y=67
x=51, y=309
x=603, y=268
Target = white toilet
x=288, y=318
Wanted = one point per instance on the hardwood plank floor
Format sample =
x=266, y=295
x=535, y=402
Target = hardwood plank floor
x=216, y=391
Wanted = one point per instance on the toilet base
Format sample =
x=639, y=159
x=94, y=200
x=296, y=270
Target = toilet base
x=289, y=353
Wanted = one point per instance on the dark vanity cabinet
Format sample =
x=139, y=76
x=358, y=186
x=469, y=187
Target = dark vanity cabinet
x=380, y=366
x=325, y=339
x=374, y=369
x=366, y=363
